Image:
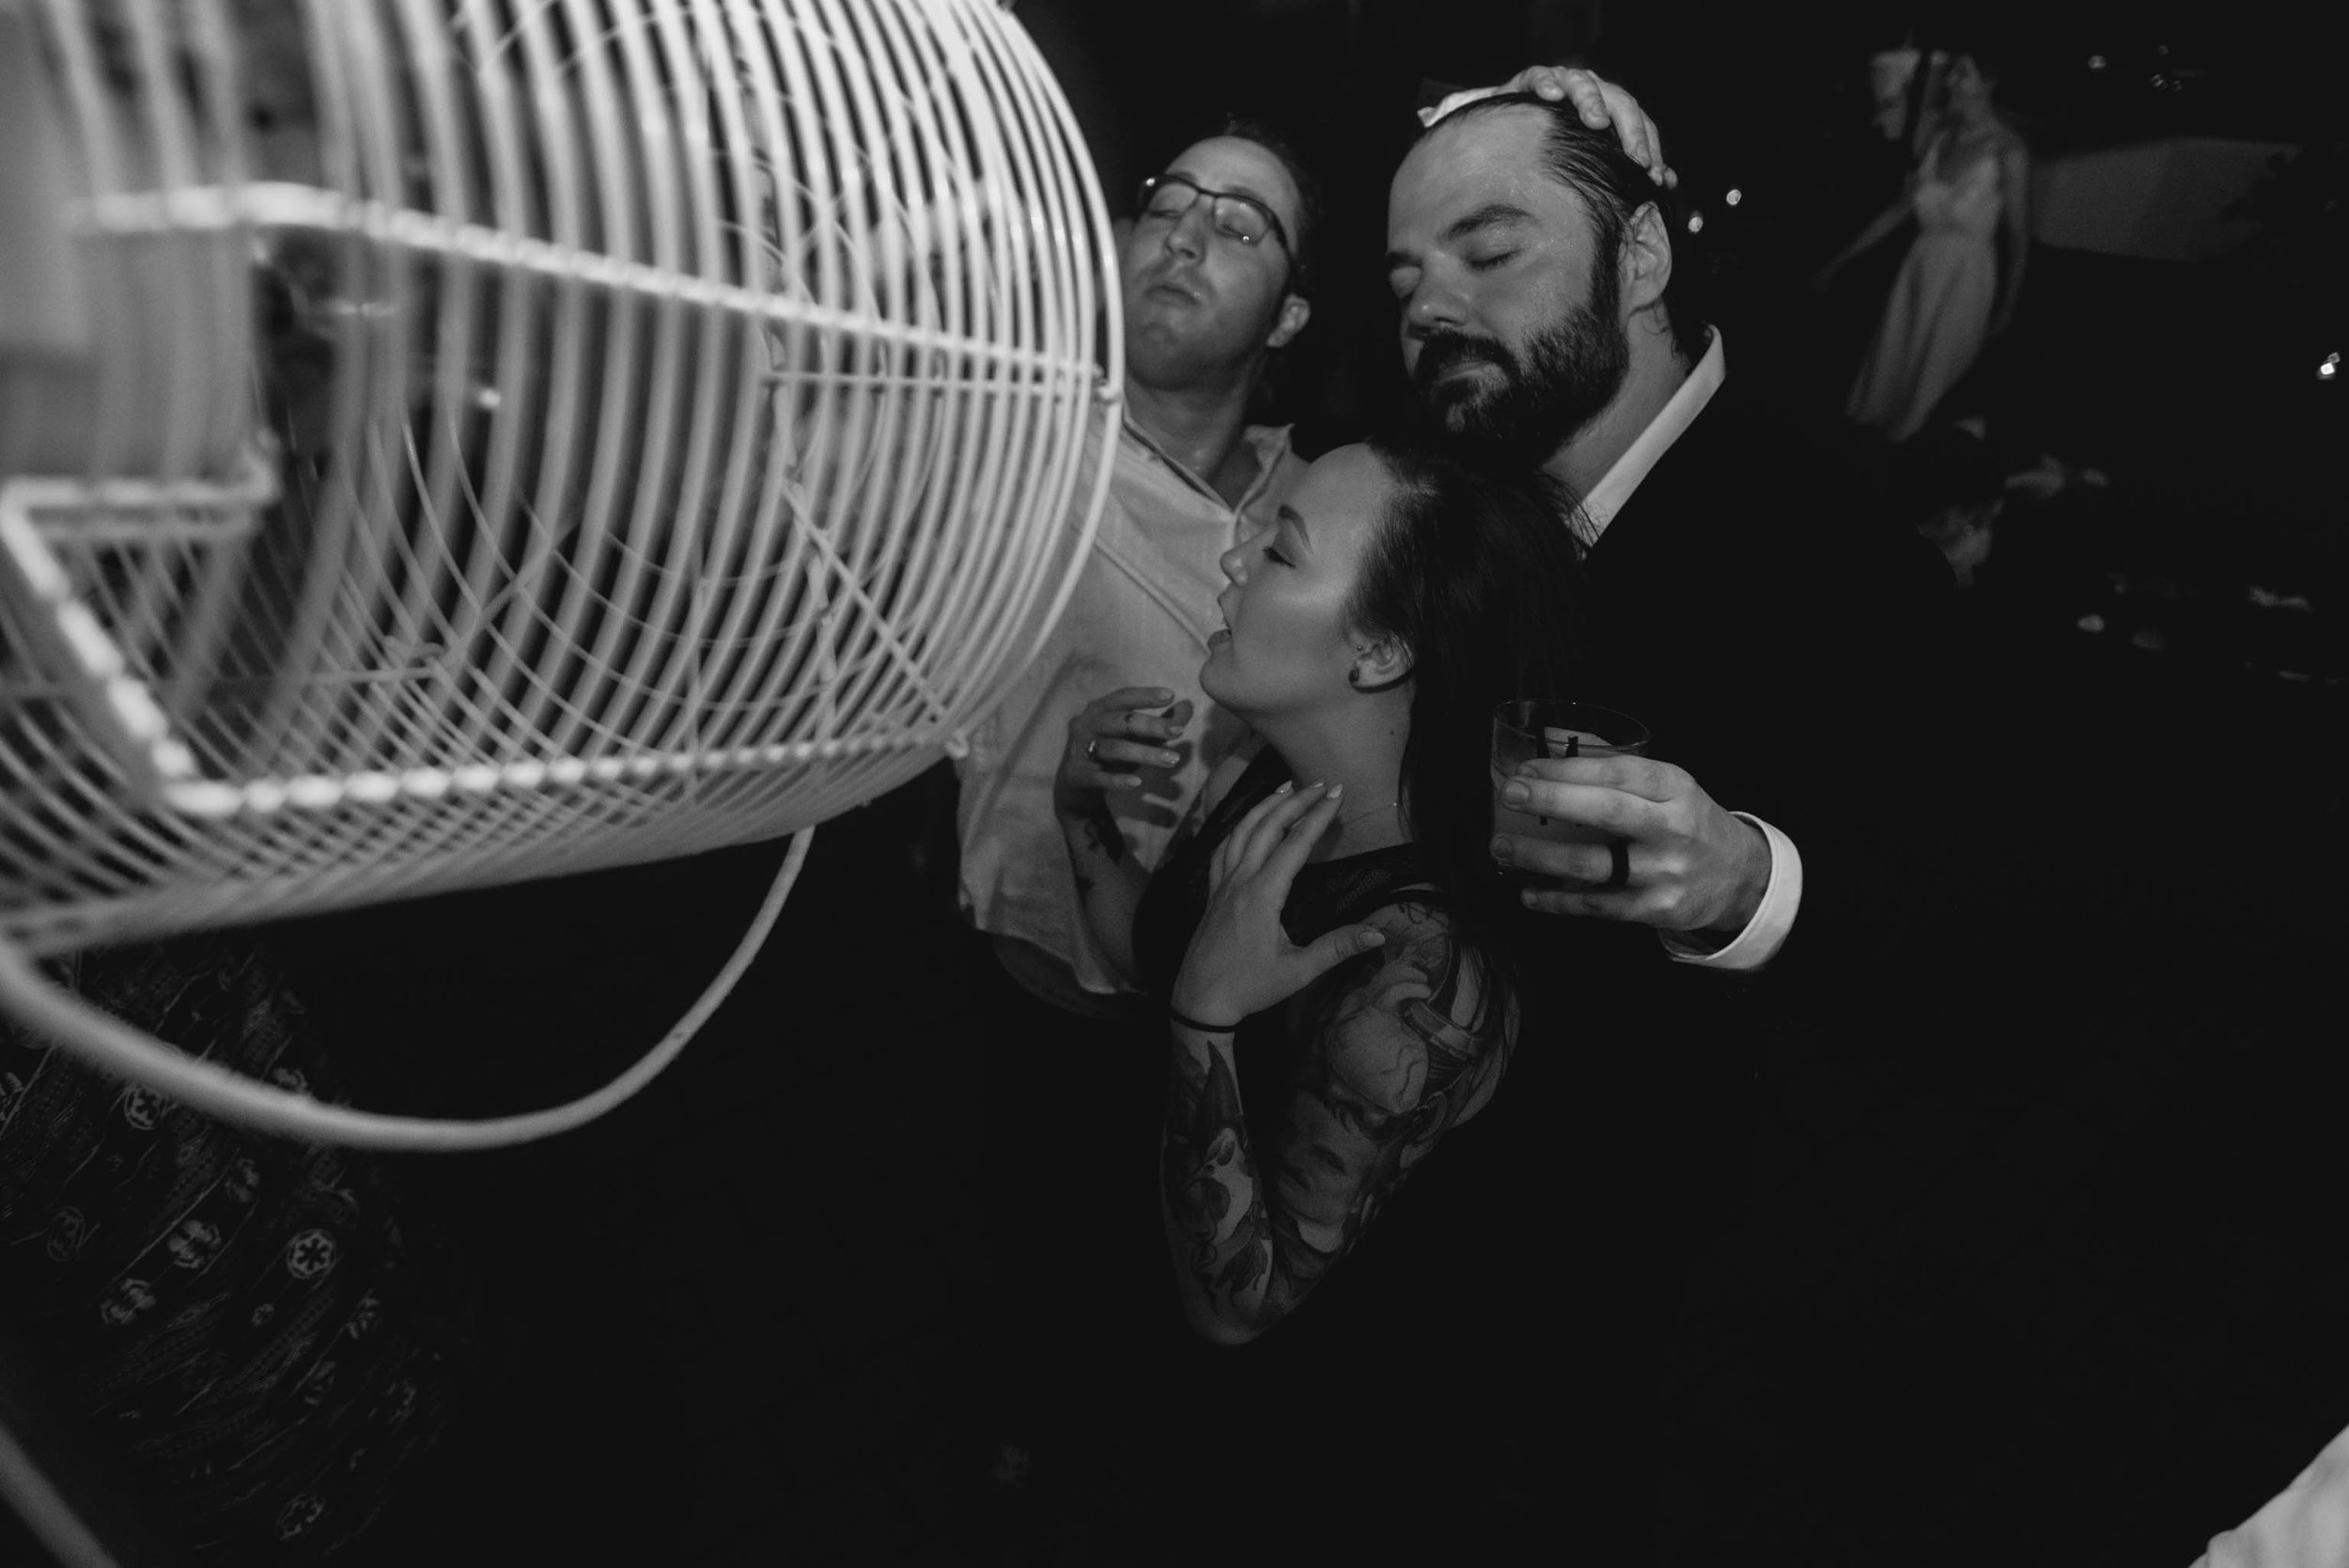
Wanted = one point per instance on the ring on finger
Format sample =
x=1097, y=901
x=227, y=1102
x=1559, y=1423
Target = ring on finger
x=1092, y=749
x=1619, y=872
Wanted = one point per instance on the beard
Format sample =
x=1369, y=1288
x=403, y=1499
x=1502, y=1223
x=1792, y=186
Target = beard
x=1567, y=373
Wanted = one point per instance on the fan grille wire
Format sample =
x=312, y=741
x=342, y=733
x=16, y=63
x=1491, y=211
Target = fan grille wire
x=565, y=434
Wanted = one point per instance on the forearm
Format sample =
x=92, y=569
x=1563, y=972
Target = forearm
x=1109, y=882
x=1879, y=227
x=1211, y=1197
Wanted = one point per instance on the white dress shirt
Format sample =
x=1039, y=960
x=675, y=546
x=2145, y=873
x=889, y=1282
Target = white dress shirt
x=1764, y=935
x=1141, y=613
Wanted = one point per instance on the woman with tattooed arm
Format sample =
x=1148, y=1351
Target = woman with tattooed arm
x=1332, y=945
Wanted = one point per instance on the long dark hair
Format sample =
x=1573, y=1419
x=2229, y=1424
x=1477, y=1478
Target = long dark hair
x=1478, y=575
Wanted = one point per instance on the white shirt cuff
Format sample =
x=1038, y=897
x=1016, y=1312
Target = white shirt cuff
x=1766, y=932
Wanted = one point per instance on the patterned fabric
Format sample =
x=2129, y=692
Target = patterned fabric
x=1326, y=895
x=242, y=1316
x=1447, y=1245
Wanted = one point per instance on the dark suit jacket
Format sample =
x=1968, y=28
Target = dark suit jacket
x=1781, y=636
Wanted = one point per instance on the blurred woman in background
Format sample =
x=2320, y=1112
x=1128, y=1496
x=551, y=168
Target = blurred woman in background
x=1963, y=275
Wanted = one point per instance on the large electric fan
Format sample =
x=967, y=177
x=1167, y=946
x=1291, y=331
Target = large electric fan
x=448, y=441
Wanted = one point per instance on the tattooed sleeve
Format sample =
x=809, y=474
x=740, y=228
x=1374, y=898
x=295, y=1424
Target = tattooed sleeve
x=1392, y=1050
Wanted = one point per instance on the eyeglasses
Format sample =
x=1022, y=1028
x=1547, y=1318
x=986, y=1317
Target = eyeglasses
x=1166, y=197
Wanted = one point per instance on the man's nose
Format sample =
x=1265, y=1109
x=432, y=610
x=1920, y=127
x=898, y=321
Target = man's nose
x=1429, y=307
x=1234, y=560
x=1188, y=234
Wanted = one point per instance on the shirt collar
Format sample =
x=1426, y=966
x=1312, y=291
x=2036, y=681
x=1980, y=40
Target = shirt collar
x=1671, y=423
x=1270, y=443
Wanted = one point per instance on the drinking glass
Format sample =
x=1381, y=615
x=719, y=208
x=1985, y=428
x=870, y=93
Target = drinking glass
x=1533, y=727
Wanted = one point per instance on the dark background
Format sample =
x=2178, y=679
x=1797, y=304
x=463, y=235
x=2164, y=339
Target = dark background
x=2193, y=385
x=2043, y=1261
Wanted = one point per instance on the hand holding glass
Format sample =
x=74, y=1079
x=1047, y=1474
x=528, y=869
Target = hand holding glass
x=1531, y=728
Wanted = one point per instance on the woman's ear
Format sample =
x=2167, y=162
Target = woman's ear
x=1296, y=310
x=1380, y=665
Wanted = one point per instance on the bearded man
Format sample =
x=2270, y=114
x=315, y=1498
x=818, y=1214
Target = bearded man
x=1758, y=613
x=1772, y=625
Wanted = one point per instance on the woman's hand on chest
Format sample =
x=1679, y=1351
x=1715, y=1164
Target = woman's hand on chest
x=1241, y=960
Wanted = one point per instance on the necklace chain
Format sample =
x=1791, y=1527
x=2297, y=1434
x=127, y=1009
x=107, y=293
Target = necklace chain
x=1372, y=812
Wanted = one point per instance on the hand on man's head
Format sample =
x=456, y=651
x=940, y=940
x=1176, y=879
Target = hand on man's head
x=1692, y=866
x=1600, y=102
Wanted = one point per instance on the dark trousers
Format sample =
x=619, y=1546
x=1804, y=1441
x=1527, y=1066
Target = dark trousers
x=1079, y=1289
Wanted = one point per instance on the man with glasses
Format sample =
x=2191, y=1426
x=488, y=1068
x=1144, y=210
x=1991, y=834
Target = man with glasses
x=1214, y=279
x=1212, y=264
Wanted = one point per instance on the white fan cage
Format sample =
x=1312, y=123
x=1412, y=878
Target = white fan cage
x=527, y=436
